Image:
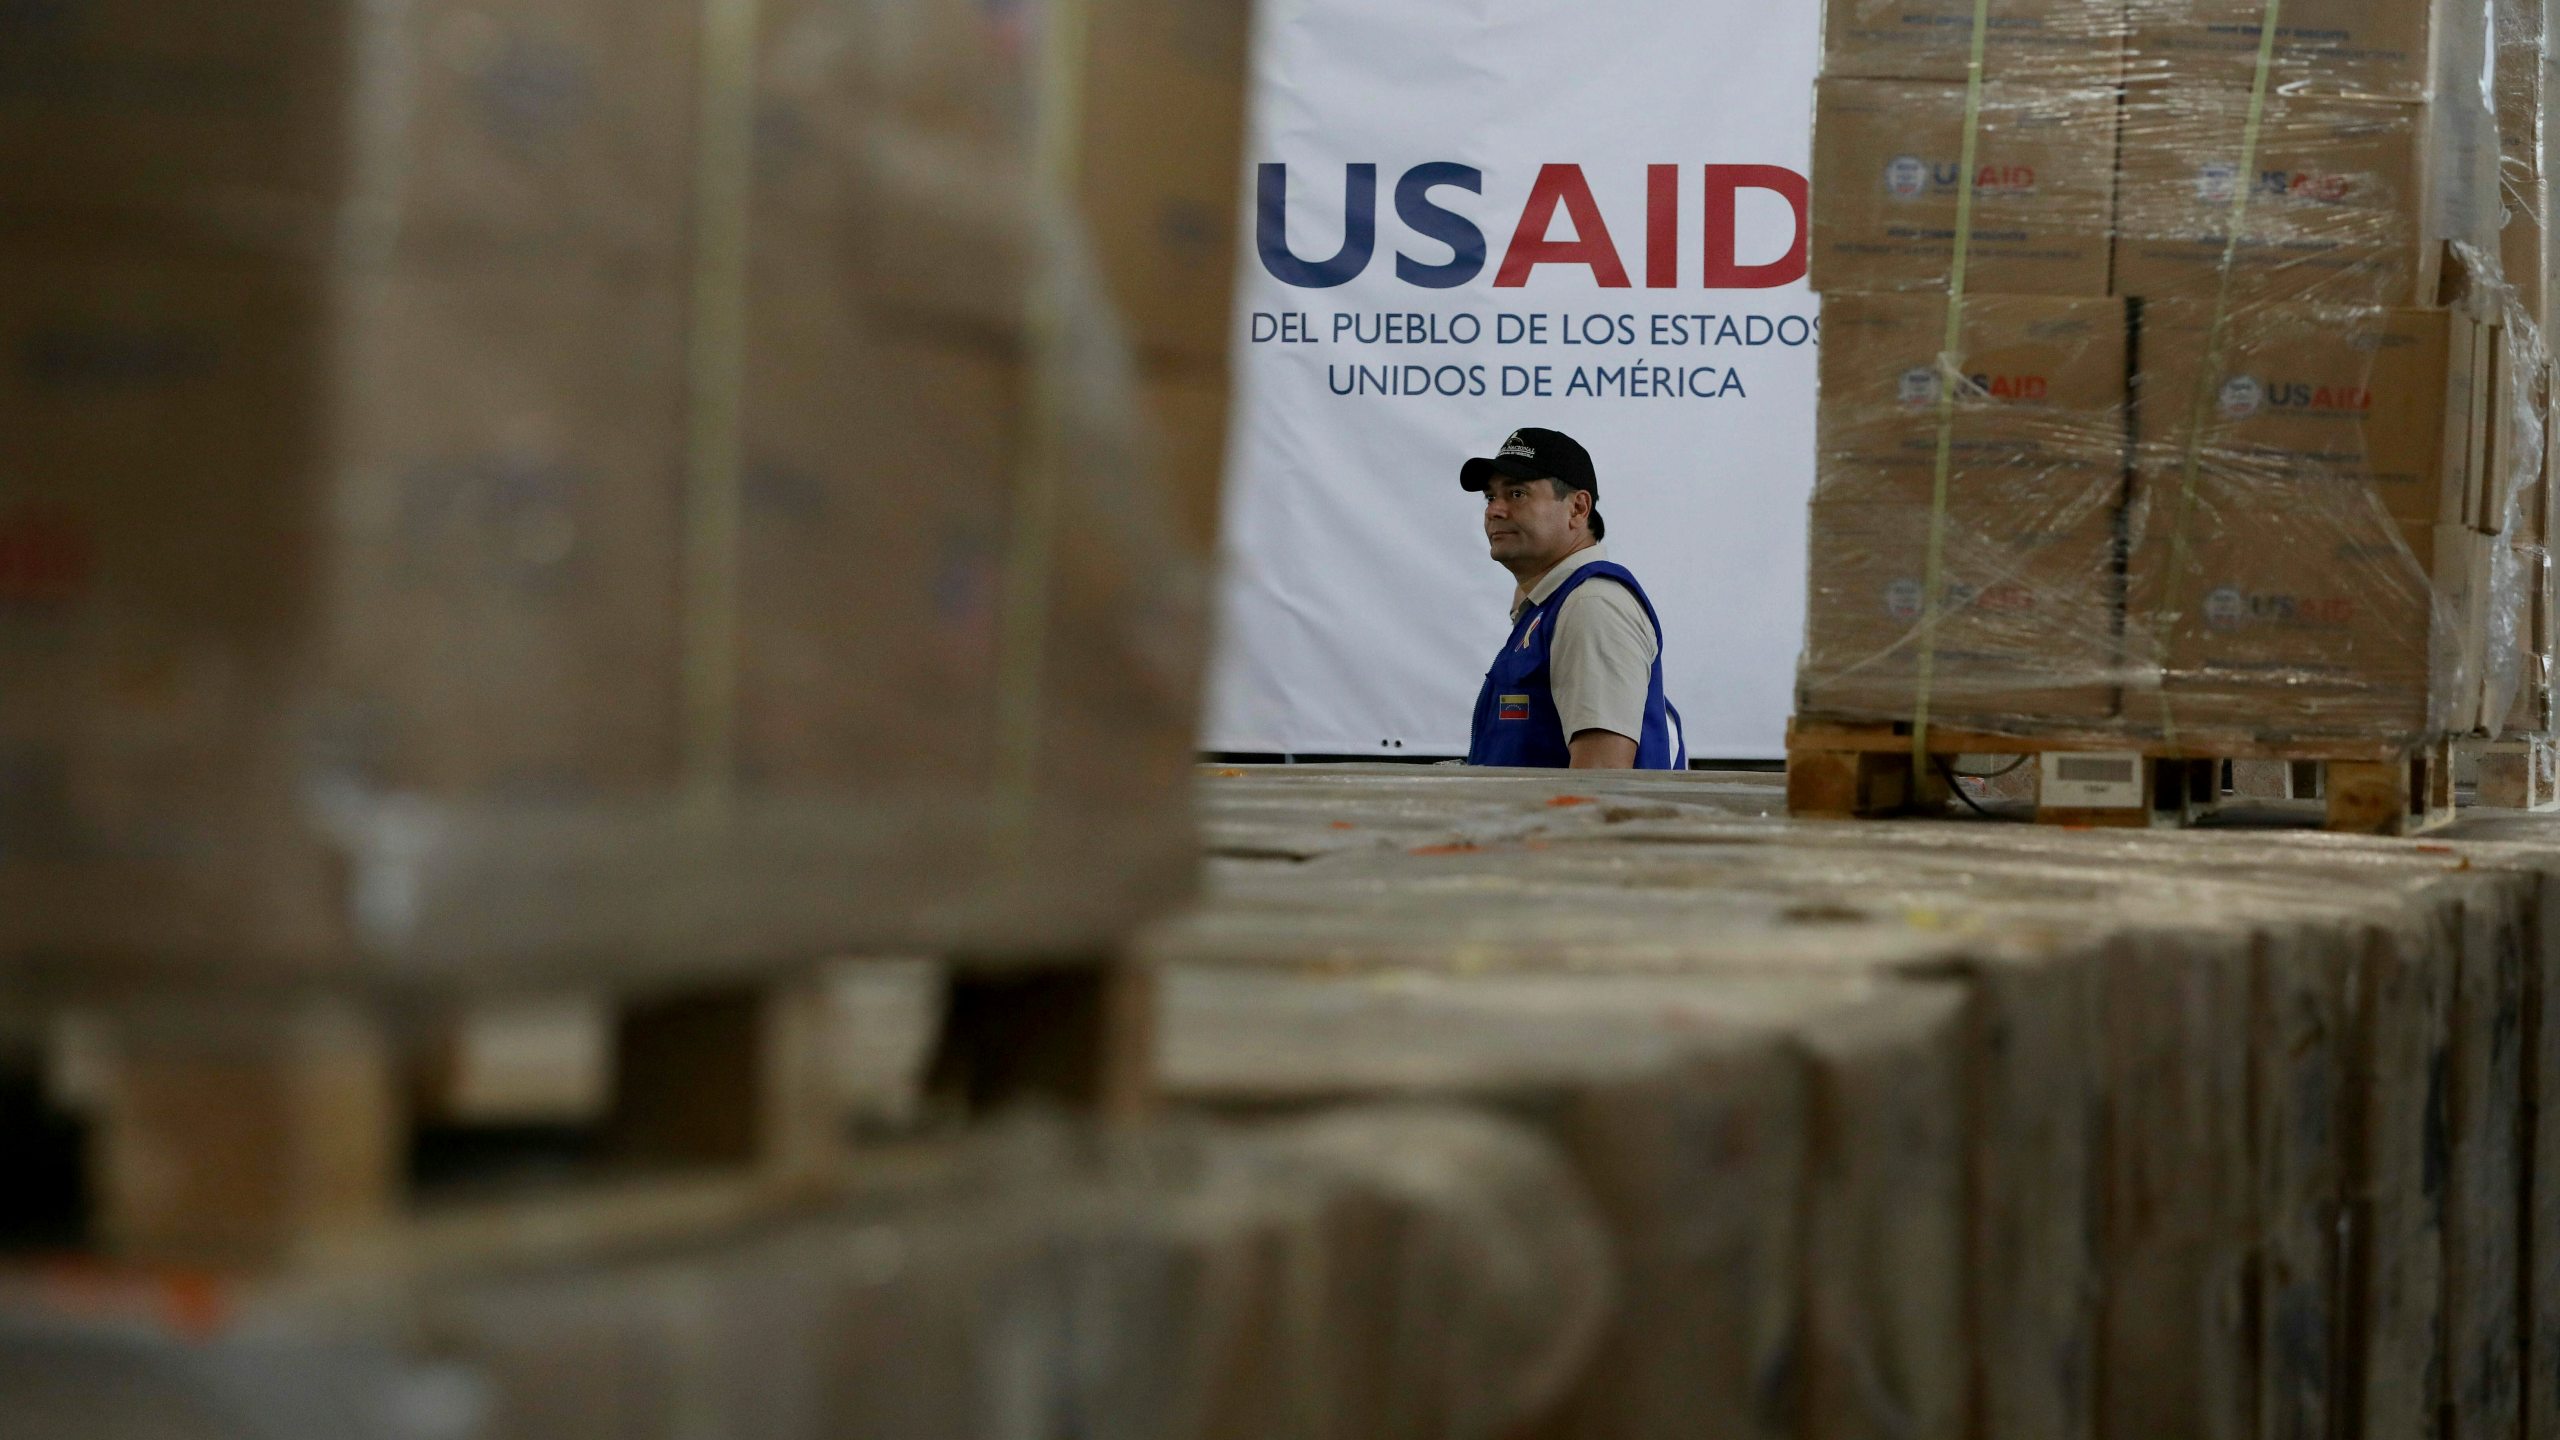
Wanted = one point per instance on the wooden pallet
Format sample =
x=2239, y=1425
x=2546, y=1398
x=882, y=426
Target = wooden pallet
x=283, y=1131
x=2522, y=773
x=1860, y=770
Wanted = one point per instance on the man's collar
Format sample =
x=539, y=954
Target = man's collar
x=1549, y=583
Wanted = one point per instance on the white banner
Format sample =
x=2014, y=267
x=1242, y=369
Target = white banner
x=1475, y=215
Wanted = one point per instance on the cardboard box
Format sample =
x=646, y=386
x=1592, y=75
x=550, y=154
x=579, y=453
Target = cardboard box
x=291, y=127
x=2524, y=178
x=1188, y=419
x=509, y=488
x=2511, y=468
x=1886, y=169
x=2342, y=204
x=2389, y=48
x=2531, y=711
x=327, y=579
x=2327, y=407
x=2041, y=410
x=2040, y=42
x=1164, y=175
x=157, y=506
x=2280, y=623
x=2027, y=629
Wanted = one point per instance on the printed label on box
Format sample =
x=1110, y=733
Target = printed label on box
x=2092, y=782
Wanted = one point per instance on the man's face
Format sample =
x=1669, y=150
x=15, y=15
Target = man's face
x=1528, y=520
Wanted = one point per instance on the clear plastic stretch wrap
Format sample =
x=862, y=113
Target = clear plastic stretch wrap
x=520, y=487
x=2193, y=393
x=1416, y=1272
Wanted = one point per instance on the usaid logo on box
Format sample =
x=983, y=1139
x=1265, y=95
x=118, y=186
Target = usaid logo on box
x=2242, y=396
x=2218, y=183
x=1909, y=177
x=1903, y=599
x=2245, y=395
x=1919, y=386
x=2230, y=608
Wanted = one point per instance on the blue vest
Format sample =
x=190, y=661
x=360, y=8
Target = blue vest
x=1516, y=720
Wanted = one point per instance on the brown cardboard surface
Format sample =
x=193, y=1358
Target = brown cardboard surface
x=2367, y=47
x=2338, y=206
x=1886, y=165
x=1188, y=415
x=509, y=479
x=2511, y=459
x=2524, y=179
x=273, y=125
x=2296, y=619
x=2310, y=397
x=1164, y=168
x=289, y=558
x=2050, y=42
x=2027, y=627
x=2042, y=410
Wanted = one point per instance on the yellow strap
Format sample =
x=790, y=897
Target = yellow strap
x=1950, y=372
x=716, y=375
x=2209, y=378
x=1030, y=558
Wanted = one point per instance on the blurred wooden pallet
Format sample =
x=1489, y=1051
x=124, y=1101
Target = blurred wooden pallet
x=1865, y=770
x=257, y=1131
x=2520, y=773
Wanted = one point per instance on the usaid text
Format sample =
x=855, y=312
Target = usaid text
x=1687, y=235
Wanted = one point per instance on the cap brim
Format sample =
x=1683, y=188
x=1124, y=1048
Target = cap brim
x=1477, y=474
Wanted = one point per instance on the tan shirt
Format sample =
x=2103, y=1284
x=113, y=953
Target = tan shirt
x=1600, y=663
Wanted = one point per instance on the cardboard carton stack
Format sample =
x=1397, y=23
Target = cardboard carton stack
x=2529, y=254
x=1377, y=1271
x=2028, y=622
x=525, y=488
x=1165, y=95
x=2233, y=1144
x=2275, y=484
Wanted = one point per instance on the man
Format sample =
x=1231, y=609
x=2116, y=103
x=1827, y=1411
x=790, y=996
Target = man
x=1579, y=683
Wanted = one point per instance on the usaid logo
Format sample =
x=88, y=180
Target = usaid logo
x=2309, y=186
x=1689, y=229
x=1918, y=386
x=2230, y=608
x=2242, y=396
x=2219, y=184
x=1908, y=177
x=2332, y=399
x=1903, y=599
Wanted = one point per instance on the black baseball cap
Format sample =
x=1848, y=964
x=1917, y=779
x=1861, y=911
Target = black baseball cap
x=1535, y=454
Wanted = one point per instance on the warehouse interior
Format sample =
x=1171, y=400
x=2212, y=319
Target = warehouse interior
x=657, y=777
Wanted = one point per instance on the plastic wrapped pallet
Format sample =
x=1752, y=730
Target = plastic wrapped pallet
x=2307, y=1067
x=516, y=488
x=1368, y=1275
x=2021, y=1144
x=2265, y=490
x=1725, y=1126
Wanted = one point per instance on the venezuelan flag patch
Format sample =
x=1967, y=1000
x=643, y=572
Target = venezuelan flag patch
x=1515, y=707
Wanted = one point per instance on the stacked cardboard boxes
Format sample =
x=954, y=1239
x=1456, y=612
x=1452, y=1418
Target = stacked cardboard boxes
x=1165, y=93
x=2021, y=553
x=596, y=454
x=2297, y=489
